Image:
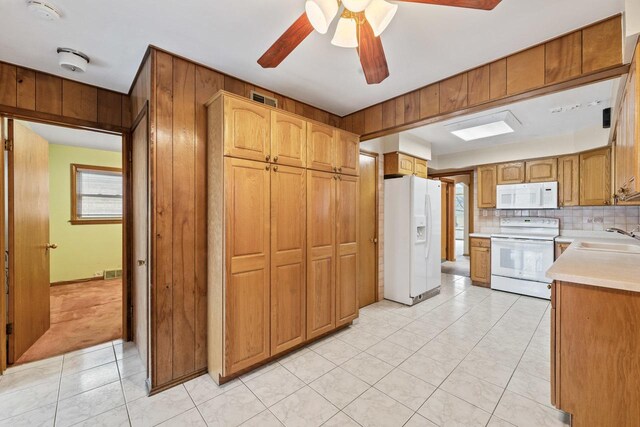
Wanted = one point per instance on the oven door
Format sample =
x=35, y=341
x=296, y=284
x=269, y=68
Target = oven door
x=521, y=258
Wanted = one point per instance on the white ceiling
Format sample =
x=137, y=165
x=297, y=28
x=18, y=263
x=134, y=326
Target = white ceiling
x=534, y=115
x=76, y=137
x=424, y=43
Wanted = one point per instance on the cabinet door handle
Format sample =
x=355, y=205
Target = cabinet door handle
x=266, y=167
x=267, y=157
x=340, y=169
x=275, y=159
x=275, y=168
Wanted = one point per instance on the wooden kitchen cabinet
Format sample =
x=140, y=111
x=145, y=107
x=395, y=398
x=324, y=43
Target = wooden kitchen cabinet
x=321, y=147
x=347, y=153
x=420, y=168
x=347, y=257
x=543, y=170
x=595, y=177
x=481, y=261
x=511, y=173
x=560, y=248
x=321, y=252
x=288, y=140
x=569, y=180
x=487, y=176
x=595, y=354
x=288, y=261
x=247, y=130
x=396, y=164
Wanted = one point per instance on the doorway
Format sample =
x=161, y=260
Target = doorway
x=64, y=247
x=368, y=288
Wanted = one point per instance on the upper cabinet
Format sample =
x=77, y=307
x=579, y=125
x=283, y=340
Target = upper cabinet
x=595, y=177
x=487, y=186
x=321, y=147
x=569, y=180
x=511, y=173
x=398, y=164
x=544, y=170
x=420, y=167
x=347, y=153
x=288, y=139
x=247, y=130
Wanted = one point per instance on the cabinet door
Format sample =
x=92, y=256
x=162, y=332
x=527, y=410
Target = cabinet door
x=511, y=173
x=288, y=140
x=246, y=264
x=398, y=164
x=288, y=247
x=569, y=180
x=542, y=170
x=321, y=252
x=487, y=186
x=246, y=130
x=347, y=224
x=347, y=153
x=632, y=143
x=595, y=178
x=420, y=168
x=481, y=265
x=320, y=148
x=560, y=248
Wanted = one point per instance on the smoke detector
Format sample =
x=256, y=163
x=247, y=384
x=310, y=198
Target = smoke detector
x=43, y=10
x=73, y=60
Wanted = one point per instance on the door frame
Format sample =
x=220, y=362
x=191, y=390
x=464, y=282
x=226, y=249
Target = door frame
x=126, y=221
x=449, y=204
x=376, y=158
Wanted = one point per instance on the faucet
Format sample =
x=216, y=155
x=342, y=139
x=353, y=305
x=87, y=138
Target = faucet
x=626, y=233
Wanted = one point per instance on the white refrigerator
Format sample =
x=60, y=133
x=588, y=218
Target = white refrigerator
x=411, y=239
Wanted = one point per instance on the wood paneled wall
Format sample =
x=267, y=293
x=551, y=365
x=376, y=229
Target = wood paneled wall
x=33, y=94
x=581, y=53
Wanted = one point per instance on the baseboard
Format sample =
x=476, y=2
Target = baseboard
x=71, y=282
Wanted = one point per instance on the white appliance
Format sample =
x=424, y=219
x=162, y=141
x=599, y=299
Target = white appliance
x=521, y=253
x=411, y=239
x=535, y=195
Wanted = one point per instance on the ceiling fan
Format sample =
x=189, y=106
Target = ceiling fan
x=360, y=25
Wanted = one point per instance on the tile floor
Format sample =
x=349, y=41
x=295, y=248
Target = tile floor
x=469, y=356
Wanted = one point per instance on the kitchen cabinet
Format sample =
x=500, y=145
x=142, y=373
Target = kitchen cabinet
x=420, y=168
x=511, y=173
x=285, y=236
x=487, y=176
x=481, y=261
x=569, y=180
x=560, y=248
x=595, y=354
x=595, y=177
x=396, y=164
x=543, y=170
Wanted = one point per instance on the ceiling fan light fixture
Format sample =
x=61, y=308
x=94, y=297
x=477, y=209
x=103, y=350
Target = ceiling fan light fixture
x=346, y=33
x=321, y=13
x=379, y=13
x=356, y=5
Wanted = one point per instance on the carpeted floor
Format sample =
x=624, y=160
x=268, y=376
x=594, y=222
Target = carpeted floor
x=82, y=315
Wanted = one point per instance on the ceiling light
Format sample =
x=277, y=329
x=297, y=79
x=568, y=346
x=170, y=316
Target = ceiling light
x=73, y=60
x=485, y=127
x=321, y=13
x=43, y=10
x=346, y=33
x=356, y=5
x=379, y=13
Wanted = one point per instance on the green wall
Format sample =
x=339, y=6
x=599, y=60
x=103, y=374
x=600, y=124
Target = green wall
x=83, y=250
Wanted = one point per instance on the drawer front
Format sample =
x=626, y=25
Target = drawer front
x=479, y=242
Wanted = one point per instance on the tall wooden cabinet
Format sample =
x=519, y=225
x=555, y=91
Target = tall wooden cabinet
x=595, y=177
x=282, y=232
x=569, y=180
x=487, y=186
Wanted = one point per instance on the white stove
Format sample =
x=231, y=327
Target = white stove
x=521, y=253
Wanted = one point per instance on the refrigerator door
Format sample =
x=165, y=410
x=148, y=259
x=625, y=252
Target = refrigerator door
x=419, y=236
x=434, y=234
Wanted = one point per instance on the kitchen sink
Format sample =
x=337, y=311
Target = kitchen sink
x=609, y=247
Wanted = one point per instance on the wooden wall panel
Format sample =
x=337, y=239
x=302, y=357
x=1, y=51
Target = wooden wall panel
x=8, y=87
x=110, y=107
x=373, y=118
x=26, y=83
x=48, y=94
x=525, y=70
x=479, y=85
x=498, y=79
x=411, y=106
x=563, y=58
x=453, y=93
x=602, y=45
x=429, y=101
x=399, y=110
x=389, y=114
x=79, y=101
x=142, y=87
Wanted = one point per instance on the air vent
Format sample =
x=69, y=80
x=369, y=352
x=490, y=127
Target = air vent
x=112, y=274
x=264, y=99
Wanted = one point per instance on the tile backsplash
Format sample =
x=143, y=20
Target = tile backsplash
x=571, y=218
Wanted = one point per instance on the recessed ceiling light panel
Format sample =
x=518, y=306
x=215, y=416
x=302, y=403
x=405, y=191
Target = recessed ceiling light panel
x=43, y=10
x=485, y=127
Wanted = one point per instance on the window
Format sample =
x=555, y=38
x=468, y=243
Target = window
x=96, y=195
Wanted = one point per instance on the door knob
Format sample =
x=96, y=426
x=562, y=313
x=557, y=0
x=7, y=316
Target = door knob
x=141, y=262
x=52, y=246
x=373, y=240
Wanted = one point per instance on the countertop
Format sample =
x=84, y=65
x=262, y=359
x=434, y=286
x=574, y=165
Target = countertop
x=612, y=270
x=480, y=235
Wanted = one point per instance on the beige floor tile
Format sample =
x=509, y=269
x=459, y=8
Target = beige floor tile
x=191, y=418
x=405, y=388
x=89, y=404
x=368, y=368
x=341, y=420
x=486, y=369
x=26, y=400
x=135, y=386
x=304, y=408
x=445, y=409
x=204, y=388
x=13, y=381
x=497, y=422
x=130, y=366
x=263, y=419
x=374, y=408
x=525, y=412
x=309, y=366
x=84, y=361
x=478, y=392
x=116, y=417
x=407, y=340
x=337, y=351
x=534, y=388
x=231, y=408
x=77, y=383
x=43, y=416
x=389, y=352
x=359, y=339
x=419, y=421
x=427, y=369
x=339, y=387
x=153, y=410
x=274, y=386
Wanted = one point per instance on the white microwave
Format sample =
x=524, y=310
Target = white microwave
x=536, y=195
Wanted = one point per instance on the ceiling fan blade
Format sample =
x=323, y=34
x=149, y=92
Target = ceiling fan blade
x=287, y=42
x=471, y=4
x=372, y=58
